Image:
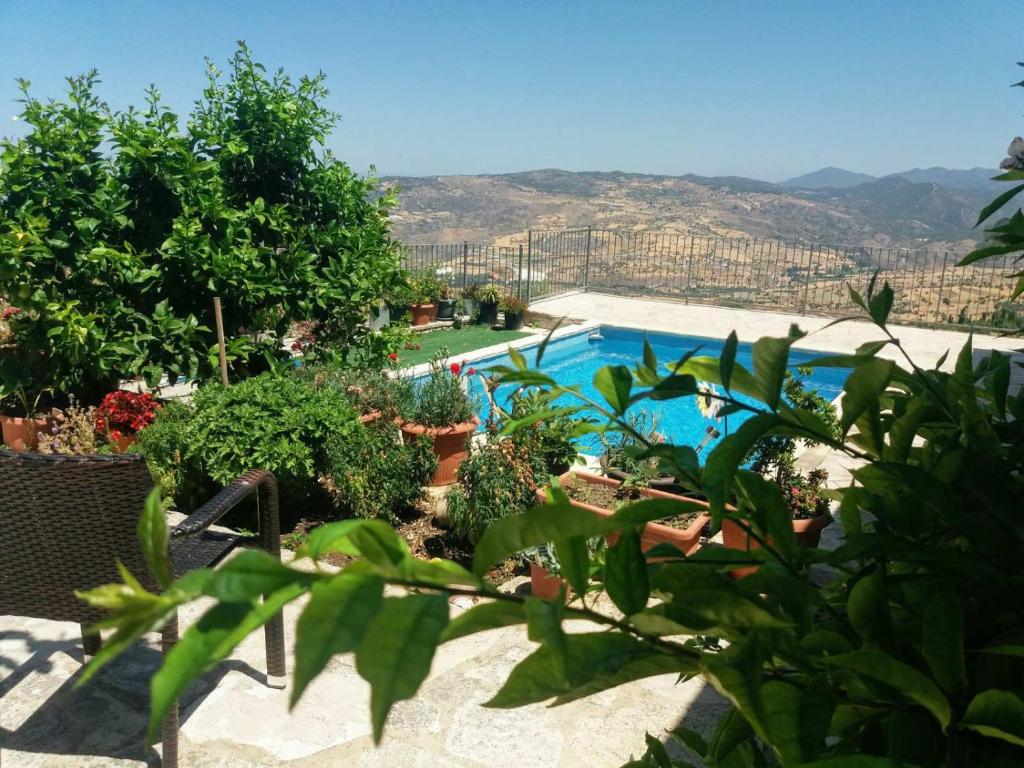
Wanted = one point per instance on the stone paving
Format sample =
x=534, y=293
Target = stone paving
x=230, y=718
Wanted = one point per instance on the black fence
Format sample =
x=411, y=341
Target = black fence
x=741, y=272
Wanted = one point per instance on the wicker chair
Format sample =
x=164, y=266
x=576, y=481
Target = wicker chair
x=76, y=516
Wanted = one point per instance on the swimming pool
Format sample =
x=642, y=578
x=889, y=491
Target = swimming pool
x=575, y=359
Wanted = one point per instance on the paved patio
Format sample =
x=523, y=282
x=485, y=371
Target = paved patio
x=230, y=718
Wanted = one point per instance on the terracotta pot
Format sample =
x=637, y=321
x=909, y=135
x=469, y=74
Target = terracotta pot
x=451, y=446
x=544, y=585
x=369, y=418
x=22, y=434
x=123, y=443
x=808, y=532
x=422, y=314
x=687, y=540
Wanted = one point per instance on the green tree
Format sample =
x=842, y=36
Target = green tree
x=118, y=228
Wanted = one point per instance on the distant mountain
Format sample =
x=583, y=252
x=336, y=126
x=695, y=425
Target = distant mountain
x=499, y=208
x=972, y=178
x=830, y=178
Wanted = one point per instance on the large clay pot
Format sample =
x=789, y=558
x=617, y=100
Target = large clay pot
x=687, y=540
x=544, y=585
x=123, y=444
x=369, y=418
x=488, y=313
x=451, y=446
x=808, y=532
x=22, y=434
x=423, y=314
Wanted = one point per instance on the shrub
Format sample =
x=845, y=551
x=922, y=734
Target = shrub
x=489, y=294
x=367, y=389
x=117, y=229
x=440, y=400
x=370, y=473
x=166, y=443
x=513, y=305
x=549, y=439
x=426, y=288
x=498, y=478
x=278, y=423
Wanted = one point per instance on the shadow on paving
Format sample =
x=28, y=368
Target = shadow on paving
x=105, y=718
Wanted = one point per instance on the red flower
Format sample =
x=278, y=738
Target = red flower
x=10, y=312
x=471, y=372
x=393, y=356
x=455, y=368
x=115, y=434
x=123, y=411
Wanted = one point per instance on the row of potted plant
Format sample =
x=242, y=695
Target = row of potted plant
x=422, y=299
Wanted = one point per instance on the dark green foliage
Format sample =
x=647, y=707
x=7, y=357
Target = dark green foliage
x=548, y=440
x=370, y=473
x=166, y=445
x=118, y=228
x=369, y=389
x=499, y=478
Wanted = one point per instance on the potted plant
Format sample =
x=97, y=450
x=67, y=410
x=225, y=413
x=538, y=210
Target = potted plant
x=601, y=495
x=122, y=414
x=545, y=574
x=20, y=433
x=488, y=300
x=470, y=296
x=514, y=308
x=445, y=302
x=440, y=408
x=72, y=432
x=398, y=300
x=425, y=291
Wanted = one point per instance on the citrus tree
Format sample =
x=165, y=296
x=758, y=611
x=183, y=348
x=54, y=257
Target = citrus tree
x=118, y=228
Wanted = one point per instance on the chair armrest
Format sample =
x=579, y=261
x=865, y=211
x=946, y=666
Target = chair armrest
x=258, y=481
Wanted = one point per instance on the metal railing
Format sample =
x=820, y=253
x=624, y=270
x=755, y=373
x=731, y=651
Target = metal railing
x=741, y=272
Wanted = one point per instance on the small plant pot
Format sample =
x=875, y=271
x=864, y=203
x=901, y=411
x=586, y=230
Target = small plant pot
x=513, y=321
x=397, y=313
x=369, y=418
x=488, y=313
x=687, y=540
x=446, y=309
x=469, y=307
x=451, y=446
x=123, y=443
x=22, y=434
x=422, y=314
x=807, y=530
x=544, y=585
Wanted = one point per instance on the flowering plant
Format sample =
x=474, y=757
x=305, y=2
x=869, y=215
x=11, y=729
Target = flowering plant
x=441, y=399
x=123, y=412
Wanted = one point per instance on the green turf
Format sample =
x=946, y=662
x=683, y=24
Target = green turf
x=458, y=342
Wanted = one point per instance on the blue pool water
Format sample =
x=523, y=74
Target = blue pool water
x=575, y=359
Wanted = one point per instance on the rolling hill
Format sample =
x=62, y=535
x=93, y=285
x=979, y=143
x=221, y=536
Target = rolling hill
x=910, y=209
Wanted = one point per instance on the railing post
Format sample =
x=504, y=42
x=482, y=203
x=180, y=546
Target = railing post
x=586, y=264
x=465, y=264
x=942, y=288
x=807, y=280
x=519, y=274
x=529, y=264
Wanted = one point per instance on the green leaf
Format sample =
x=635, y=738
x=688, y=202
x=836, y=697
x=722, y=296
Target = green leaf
x=998, y=715
x=690, y=739
x=858, y=761
x=594, y=661
x=251, y=573
x=657, y=752
x=206, y=643
x=863, y=388
x=868, y=610
x=484, y=616
x=770, y=359
x=727, y=361
x=625, y=574
x=544, y=625
x=942, y=641
x=880, y=305
x=152, y=532
x=726, y=457
x=901, y=677
x=614, y=382
x=334, y=621
x=574, y=558
x=397, y=650
x=998, y=203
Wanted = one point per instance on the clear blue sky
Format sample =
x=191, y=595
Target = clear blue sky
x=762, y=89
